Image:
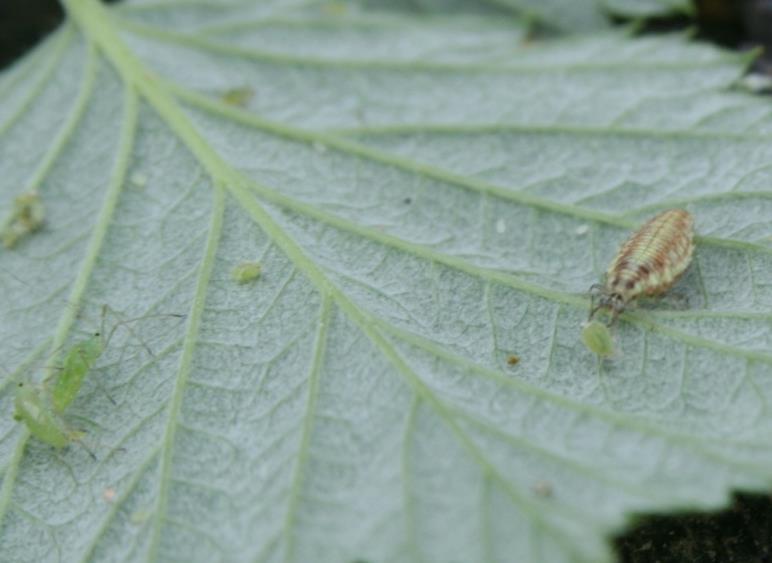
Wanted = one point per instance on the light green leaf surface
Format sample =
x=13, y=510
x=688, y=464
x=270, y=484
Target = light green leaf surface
x=426, y=198
x=566, y=15
x=648, y=8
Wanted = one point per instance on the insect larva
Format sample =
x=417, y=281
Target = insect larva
x=649, y=263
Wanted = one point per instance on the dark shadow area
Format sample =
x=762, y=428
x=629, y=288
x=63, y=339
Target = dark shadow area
x=23, y=23
x=740, y=534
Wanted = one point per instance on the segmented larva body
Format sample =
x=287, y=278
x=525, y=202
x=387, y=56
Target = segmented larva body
x=650, y=262
x=653, y=259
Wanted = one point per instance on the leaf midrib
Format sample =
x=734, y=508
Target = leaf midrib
x=222, y=172
x=95, y=24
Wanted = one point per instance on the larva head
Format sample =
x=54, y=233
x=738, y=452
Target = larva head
x=601, y=297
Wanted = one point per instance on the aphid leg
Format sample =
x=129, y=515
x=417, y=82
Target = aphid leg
x=127, y=324
x=85, y=447
x=101, y=388
x=96, y=444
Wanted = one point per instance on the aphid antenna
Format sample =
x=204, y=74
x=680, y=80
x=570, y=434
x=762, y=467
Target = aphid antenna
x=14, y=276
x=123, y=322
x=94, y=443
x=105, y=309
x=80, y=442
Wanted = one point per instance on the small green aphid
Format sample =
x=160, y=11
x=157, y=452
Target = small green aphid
x=246, y=272
x=41, y=407
x=78, y=361
x=27, y=216
x=33, y=406
x=238, y=97
x=597, y=338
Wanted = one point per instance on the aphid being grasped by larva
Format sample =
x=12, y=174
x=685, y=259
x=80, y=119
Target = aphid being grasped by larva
x=649, y=263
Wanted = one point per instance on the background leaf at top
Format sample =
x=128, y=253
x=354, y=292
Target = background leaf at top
x=571, y=17
x=427, y=197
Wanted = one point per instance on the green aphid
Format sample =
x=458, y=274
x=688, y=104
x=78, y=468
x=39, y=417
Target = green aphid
x=76, y=365
x=597, y=338
x=246, y=272
x=41, y=407
x=27, y=216
x=34, y=407
x=79, y=360
x=238, y=97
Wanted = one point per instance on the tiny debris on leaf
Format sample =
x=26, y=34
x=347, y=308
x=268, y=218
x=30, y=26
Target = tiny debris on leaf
x=542, y=488
x=238, y=97
x=26, y=217
x=138, y=179
x=513, y=360
x=108, y=494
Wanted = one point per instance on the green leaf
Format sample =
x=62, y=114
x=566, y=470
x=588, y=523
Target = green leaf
x=648, y=8
x=568, y=16
x=426, y=198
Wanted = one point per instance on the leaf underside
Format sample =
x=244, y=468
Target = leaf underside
x=426, y=197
